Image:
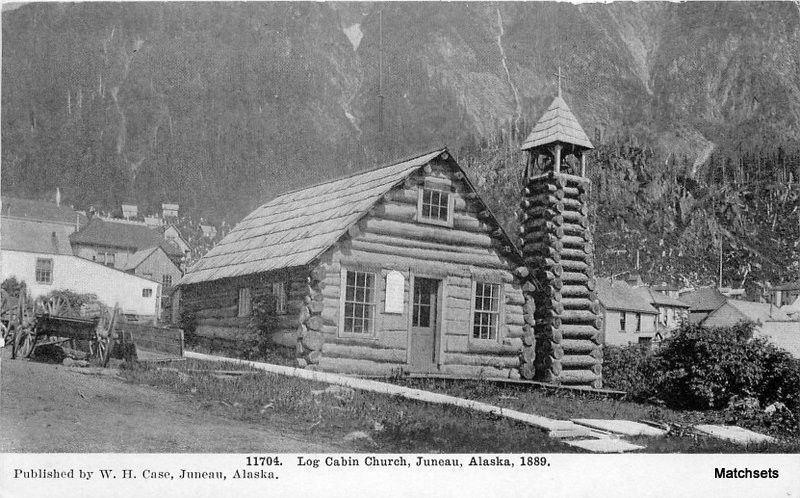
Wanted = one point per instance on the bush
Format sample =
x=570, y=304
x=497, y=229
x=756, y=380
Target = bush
x=705, y=367
x=781, y=379
x=632, y=369
x=72, y=300
x=13, y=286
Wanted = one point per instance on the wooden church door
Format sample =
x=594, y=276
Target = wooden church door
x=425, y=311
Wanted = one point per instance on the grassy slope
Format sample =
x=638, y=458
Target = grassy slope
x=399, y=425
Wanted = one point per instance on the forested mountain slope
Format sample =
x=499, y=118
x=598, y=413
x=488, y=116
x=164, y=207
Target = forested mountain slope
x=695, y=109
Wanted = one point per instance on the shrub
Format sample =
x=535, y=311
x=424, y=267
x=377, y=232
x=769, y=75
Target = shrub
x=705, y=367
x=264, y=320
x=781, y=379
x=72, y=300
x=633, y=369
x=12, y=286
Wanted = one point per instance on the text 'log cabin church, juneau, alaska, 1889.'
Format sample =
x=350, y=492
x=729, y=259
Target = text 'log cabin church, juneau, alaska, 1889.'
x=404, y=268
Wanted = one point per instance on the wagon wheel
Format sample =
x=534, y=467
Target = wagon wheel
x=5, y=330
x=23, y=343
x=55, y=305
x=105, y=336
x=23, y=328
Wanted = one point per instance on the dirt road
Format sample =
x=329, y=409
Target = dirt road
x=51, y=408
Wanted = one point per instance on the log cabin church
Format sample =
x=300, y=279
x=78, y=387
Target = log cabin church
x=404, y=268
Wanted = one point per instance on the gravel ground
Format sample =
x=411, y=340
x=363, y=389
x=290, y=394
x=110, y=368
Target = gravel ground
x=51, y=408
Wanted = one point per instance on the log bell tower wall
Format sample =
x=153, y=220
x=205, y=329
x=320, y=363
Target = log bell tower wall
x=559, y=252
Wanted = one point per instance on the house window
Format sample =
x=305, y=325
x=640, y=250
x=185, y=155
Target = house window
x=281, y=297
x=166, y=281
x=108, y=258
x=486, y=321
x=622, y=321
x=245, y=303
x=359, y=303
x=44, y=271
x=147, y=292
x=638, y=322
x=435, y=206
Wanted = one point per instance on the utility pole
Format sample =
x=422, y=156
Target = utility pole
x=380, y=83
x=719, y=282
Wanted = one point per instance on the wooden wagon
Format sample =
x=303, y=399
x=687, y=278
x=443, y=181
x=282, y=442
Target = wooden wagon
x=48, y=326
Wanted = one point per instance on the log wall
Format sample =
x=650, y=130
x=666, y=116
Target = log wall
x=214, y=307
x=390, y=238
x=558, y=250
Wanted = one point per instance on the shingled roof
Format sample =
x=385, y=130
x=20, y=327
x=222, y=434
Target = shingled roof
x=557, y=124
x=294, y=228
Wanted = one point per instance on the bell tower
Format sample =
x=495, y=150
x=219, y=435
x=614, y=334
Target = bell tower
x=558, y=249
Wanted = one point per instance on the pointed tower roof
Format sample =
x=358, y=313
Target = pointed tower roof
x=557, y=124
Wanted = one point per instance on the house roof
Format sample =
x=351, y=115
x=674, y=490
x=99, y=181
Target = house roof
x=296, y=227
x=103, y=232
x=659, y=299
x=618, y=295
x=703, y=299
x=557, y=124
x=138, y=257
x=18, y=207
x=665, y=287
x=758, y=312
x=786, y=286
x=30, y=235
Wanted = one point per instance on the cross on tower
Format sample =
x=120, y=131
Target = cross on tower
x=560, y=77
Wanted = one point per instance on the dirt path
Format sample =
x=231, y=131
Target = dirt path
x=51, y=408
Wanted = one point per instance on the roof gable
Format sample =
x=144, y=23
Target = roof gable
x=557, y=124
x=294, y=228
x=139, y=257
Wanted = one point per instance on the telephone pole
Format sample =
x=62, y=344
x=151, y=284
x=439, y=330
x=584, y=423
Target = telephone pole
x=380, y=83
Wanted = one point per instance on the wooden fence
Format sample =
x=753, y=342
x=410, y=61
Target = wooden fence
x=153, y=339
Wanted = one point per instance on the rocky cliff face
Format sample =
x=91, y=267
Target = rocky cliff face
x=220, y=106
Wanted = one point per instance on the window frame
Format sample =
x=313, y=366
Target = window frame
x=623, y=321
x=244, y=302
x=638, y=322
x=500, y=311
x=372, y=334
x=49, y=271
x=112, y=256
x=164, y=279
x=281, y=295
x=147, y=292
x=439, y=185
